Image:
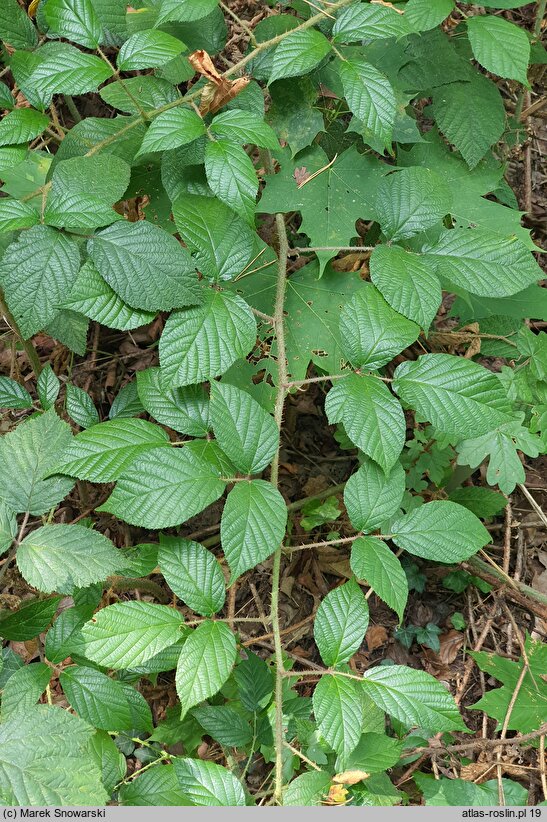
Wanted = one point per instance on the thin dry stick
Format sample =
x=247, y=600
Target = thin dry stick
x=539, y=511
x=507, y=540
x=541, y=763
x=302, y=756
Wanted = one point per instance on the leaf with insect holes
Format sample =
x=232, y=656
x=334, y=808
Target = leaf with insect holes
x=340, y=623
x=205, y=663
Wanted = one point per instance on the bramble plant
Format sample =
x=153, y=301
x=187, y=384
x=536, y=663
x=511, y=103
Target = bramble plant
x=210, y=197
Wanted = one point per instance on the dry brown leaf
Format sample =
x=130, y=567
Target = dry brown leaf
x=376, y=636
x=219, y=90
x=451, y=643
x=338, y=795
x=350, y=777
x=387, y=5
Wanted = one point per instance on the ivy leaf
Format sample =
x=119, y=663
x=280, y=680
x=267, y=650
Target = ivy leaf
x=340, y=623
x=76, y=20
x=62, y=773
x=83, y=191
x=206, y=783
x=500, y=46
x=223, y=244
x=371, y=497
x=371, y=415
x=64, y=557
x=145, y=266
x=36, y=272
x=79, y=407
x=13, y=395
x=200, y=343
x=252, y=526
x=459, y=397
x=185, y=11
x=244, y=430
x=406, y=282
x=96, y=698
x=92, y=296
x=338, y=709
x=299, y=53
x=184, y=409
x=104, y=451
x=22, y=126
x=372, y=561
x=193, y=574
x=413, y=697
x=205, y=663
x=172, y=129
x=501, y=447
x=410, y=201
x=371, y=332
x=163, y=488
x=371, y=98
x=232, y=177
x=423, y=15
x=48, y=386
x=442, y=531
x=471, y=116
x=363, y=22
x=346, y=189
x=483, y=263
x=27, y=455
x=130, y=633
x=243, y=127
x=148, y=49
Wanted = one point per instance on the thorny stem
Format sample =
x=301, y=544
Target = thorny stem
x=27, y=344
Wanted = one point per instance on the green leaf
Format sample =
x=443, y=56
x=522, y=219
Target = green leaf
x=92, y=296
x=30, y=620
x=59, y=773
x=193, y=574
x=57, y=68
x=23, y=689
x=371, y=98
x=148, y=49
x=13, y=395
x=224, y=725
x=184, y=409
x=15, y=214
x=200, y=343
x=83, y=191
x=307, y=789
x=406, y=282
x=185, y=11
x=299, y=53
x=223, y=244
x=471, y=116
x=371, y=415
x=16, y=27
x=64, y=557
x=103, y=452
x=37, y=270
x=27, y=455
x=254, y=681
x=64, y=637
x=109, y=759
x=482, y=262
x=371, y=497
x=21, y=126
x=48, y=386
x=70, y=329
x=96, y=698
x=458, y=792
x=423, y=15
x=244, y=430
x=206, y=783
x=8, y=528
x=340, y=623
x=413, y=697
x=205, y=663
x=372, y=333
x=145, y=266
x=338, y=709
x=374, y=753
x=150, y=92
x=164, y=488
x=363, y=22
x=252, y=525
x=482, y=502
x=410, y=201
x=79, y=406
x=292, y=113
x=243, y=127
x=372, y=561
x=441, y=531
x=173, y=128
x=130, y=633
x=500, y=46
x=232, y=177
x=76, y=20
x=459, y=397
x=157, y=787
